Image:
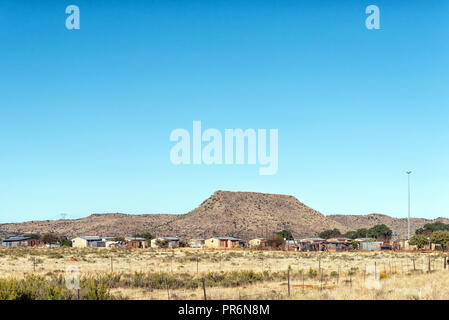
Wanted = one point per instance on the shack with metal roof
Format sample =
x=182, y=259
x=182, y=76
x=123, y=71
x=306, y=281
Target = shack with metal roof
x=20, y=242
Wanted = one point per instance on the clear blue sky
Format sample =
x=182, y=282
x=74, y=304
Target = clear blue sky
x=86, y=114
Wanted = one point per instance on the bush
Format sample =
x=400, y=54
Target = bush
x=418, y=240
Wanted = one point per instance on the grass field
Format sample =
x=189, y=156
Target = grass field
x=39, y=273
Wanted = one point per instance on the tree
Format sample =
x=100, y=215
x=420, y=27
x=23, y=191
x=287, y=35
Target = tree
x=429, y=228
x=162, y=243
x=440, y=237
x=419, y=240
x=380, y=231
x=327, y=234
x=50, y=238
x=359, y=233
x=274, y=241
x=285, y=234
x=65, y=242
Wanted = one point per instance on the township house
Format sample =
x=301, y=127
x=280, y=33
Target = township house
x=20, y=242
x=196, y=243
x=310, y=244
x=172, y=242
x=337, y=244
x=256, y=243
x=136, y=242
x=88, y=241
x=222, y=243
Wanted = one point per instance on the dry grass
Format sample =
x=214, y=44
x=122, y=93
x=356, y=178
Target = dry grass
x=246, y=274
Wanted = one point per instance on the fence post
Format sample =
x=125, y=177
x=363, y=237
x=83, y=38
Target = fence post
x=350, y=279
x=34, y=264
x=428, y=267
x=303, y=282
x=414, y=267
x=168, y=289
x=319, y=263
x=288, y=277
x=364, y=274
x=338, y=275
x=112, y=267
x=321, y=280
x=445, y=262
x=204, y=288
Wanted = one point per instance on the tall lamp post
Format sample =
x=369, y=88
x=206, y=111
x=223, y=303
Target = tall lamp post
x=408, y=220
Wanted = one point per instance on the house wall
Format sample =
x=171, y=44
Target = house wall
x=196, y=244
x=79, y=243
x=255, y=243
x=214, y=243
x=171, y=244
x=232, y=244
x=136, y=244
x=222, y=244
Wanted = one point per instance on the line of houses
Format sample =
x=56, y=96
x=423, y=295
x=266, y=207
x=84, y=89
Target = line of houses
x=307, y=244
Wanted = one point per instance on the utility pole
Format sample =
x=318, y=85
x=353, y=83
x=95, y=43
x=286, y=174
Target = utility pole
x=408, y=220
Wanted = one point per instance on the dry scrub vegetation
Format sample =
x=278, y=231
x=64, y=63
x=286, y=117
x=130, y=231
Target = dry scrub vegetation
x=39, y=273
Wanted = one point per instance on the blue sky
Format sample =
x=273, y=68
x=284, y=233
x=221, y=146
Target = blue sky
x=86, y=114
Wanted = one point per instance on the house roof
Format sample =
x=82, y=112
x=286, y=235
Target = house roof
x=365, y=239
x=135, y=239
x=168, y=238
x=228, y=238
x=314, y=239
x=197, y=239
x=91, y=238
x=12, y=239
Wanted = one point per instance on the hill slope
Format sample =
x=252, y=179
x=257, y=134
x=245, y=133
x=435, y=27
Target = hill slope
x=240, y=214
x=248, y=215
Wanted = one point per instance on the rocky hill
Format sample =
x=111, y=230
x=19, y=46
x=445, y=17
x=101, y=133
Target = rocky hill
x=110, y=224
x=239, y=214
x=248, y=215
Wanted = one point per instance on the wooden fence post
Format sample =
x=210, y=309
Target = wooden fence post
x=168, y=289
x=445, y=262
x=414, y=267
x=428, y=267
x=303, y=282
x=288, y=277
x=204, y=288
x=321, y=280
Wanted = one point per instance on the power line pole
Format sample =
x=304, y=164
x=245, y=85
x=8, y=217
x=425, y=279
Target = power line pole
x=408, y=220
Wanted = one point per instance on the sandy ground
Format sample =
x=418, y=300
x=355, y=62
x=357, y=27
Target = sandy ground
x=346, y=275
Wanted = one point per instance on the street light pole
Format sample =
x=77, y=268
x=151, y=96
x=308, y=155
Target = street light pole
x=408, y=220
